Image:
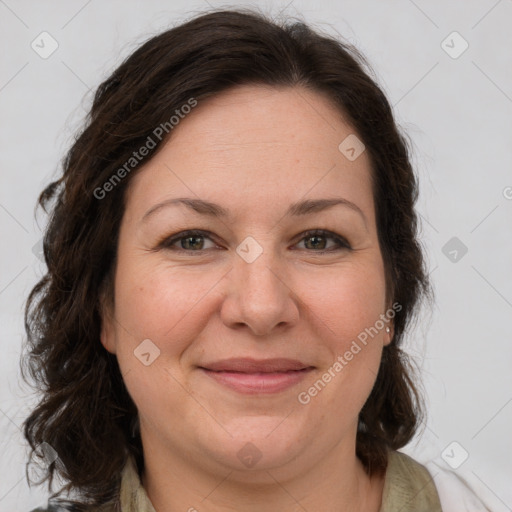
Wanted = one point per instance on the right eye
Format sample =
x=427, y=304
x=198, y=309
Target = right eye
x=191, y=241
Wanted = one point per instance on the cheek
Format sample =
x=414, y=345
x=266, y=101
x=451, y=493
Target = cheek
x=164, y=302
x=158, y=301
x=348, y=300
x=163, y=305
x=348, y=305
x=353, y=349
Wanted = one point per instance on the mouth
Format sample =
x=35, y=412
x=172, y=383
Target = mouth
x=251, y=376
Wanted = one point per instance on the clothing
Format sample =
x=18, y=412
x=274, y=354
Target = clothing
x=408, y=487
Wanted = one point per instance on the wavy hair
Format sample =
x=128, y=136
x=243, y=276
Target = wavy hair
x=85, y=412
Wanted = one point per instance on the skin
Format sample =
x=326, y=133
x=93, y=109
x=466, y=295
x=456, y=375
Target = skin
x=253, y=150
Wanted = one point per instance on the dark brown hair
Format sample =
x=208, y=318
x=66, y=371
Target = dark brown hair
x=85, y=412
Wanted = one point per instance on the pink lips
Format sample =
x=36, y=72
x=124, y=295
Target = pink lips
x=252, y=376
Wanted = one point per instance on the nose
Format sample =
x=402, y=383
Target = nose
x=259, y=296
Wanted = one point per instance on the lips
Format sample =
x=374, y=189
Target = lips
x=248, y=365
x=252, y=376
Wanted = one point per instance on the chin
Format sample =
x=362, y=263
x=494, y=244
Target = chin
x=259, y=443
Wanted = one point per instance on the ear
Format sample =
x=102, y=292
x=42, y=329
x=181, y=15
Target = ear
x=388, y=336
x=107, y=331
x=107, y=335
x=389, y=329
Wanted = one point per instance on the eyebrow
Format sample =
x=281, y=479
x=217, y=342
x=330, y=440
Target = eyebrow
x=214, y=210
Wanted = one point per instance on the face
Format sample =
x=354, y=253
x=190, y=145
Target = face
x=257, y=338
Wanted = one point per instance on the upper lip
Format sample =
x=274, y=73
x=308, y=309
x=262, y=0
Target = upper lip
x=249, y=365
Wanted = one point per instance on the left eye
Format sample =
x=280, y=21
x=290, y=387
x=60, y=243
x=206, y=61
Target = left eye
x=193, y=241
x=322, y=234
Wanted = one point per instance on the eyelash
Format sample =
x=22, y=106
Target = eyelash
x=168, y=242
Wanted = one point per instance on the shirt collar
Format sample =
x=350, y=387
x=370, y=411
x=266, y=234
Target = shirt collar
x=133, y=497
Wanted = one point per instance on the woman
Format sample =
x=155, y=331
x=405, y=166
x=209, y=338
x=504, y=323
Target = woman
x=232, y=263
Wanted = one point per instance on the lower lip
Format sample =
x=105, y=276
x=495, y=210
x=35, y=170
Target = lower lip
x=256, y=383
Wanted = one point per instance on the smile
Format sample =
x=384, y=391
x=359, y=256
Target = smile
x=261, y=382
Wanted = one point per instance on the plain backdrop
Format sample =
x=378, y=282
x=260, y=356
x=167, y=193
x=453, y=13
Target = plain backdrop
x=451, y=93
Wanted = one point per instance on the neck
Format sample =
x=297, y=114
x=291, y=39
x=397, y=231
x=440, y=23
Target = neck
x=337, y=482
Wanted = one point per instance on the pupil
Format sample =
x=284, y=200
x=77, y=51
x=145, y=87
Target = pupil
x=315, y=237
x=196, y=238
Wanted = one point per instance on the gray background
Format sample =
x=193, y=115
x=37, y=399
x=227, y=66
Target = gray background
x=458, y=112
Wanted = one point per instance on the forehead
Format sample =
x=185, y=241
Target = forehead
x=249, y=117
x=252, y=143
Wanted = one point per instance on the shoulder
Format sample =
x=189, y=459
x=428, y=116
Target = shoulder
x=402, y=467
x=413, y=484
x=408, y=486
